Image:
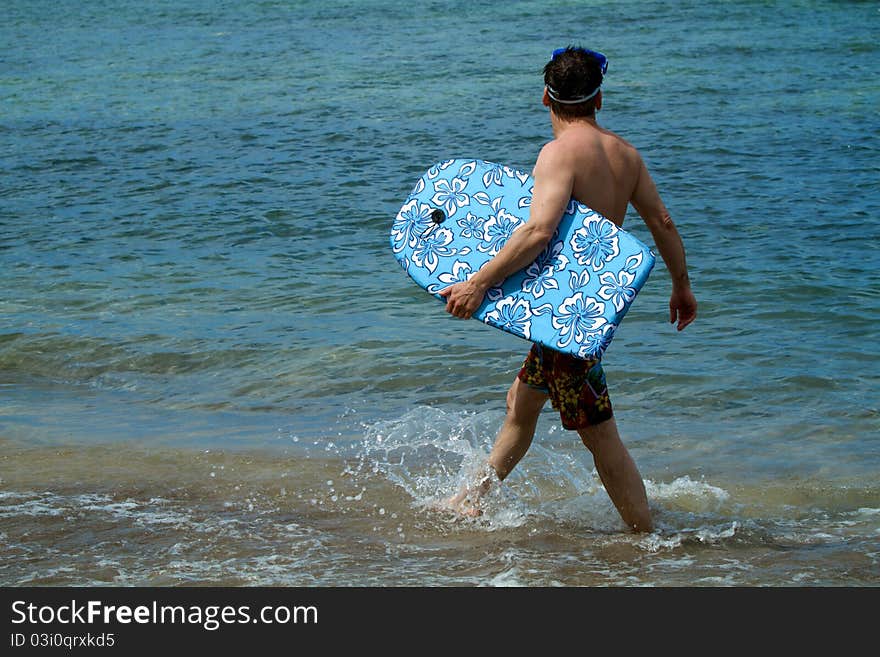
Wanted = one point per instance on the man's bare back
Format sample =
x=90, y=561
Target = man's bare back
x=606, y=169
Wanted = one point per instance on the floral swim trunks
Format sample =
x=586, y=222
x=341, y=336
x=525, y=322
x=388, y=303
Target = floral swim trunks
x=576, y=386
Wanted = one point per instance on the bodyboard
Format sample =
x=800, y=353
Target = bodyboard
x=571, y=298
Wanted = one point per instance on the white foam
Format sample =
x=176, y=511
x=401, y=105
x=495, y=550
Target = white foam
x=508, y=578
x=45, y=504
x=656, y=542
x=13, y=495
x=727, y=580
x=709, y=535
x=685, y=486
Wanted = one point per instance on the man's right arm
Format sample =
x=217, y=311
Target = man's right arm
x=647, y=202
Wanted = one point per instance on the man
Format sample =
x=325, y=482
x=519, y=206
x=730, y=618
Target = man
x=606, y=173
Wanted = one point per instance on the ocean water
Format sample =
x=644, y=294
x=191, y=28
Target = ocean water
x=212, y=370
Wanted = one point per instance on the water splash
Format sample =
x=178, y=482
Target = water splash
x=430, y=454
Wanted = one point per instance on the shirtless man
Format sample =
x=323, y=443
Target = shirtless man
x=606, y=173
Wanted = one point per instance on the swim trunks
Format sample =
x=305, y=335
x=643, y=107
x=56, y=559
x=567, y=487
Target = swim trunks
x=576, y=386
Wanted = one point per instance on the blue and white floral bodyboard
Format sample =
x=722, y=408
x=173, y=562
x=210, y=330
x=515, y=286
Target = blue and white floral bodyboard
x=571, y=298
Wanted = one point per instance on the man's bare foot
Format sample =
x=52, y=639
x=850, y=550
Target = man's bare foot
x=467, y=502
x=464, y=505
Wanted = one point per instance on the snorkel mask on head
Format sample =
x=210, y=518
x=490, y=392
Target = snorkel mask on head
x=601, y=59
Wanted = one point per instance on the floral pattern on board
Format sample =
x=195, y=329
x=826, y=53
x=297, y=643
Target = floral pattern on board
x=462, y=212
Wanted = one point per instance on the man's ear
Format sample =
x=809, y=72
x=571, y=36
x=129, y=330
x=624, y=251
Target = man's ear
x=599, y=100
x=545, y=99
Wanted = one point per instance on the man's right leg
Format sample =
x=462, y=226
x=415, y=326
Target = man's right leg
x=524, y=405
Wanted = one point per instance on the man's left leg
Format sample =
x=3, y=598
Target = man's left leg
x=619, y=474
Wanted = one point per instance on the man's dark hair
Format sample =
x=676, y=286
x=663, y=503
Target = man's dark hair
x=573, y=74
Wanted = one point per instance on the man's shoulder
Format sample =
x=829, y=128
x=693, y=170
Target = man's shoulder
x=574, y=146
x=621, y=143
x=556, y=153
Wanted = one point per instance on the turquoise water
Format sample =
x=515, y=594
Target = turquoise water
x=212, y=370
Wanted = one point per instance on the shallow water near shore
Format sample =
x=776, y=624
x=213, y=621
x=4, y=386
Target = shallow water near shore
x=213, y=372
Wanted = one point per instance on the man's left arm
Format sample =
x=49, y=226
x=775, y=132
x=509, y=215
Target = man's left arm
x=554, y=181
